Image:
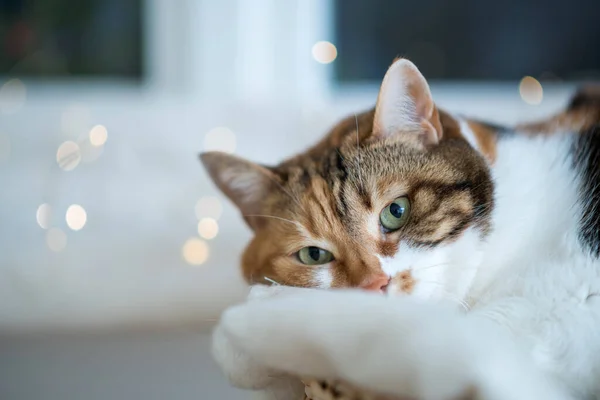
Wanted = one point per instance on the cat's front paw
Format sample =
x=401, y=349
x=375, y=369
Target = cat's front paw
x=386, y=345
x=365, y=339
x=241, y=369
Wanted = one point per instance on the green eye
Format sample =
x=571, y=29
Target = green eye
x=314, y=256
x=394, y=216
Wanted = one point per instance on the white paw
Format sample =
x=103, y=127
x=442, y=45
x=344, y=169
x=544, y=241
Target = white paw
x=241, y=369
x=391, y=345
x=258, y=292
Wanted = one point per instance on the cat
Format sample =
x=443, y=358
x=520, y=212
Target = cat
x=414, y=202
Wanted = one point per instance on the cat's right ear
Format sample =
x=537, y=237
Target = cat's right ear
x=405, y=107
x=245, y=183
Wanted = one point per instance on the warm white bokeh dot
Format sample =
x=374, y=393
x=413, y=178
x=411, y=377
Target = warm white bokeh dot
x=44, y=215
x=68, y=155
x=76, y=217
x=324, y=52
x=531, y=90
x=220, y=139
x=98, y=135
x=208, y=228
x=12, y=96
x=56, y=239
x=195, y=251
x=208, y=206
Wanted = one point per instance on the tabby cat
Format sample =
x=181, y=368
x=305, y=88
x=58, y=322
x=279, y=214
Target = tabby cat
x=411, y=201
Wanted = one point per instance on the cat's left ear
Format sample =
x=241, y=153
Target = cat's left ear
x=405, y=106
x=245, y=183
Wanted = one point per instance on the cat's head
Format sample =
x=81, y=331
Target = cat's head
x=391, y=199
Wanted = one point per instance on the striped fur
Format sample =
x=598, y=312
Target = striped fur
x=505, y=226
x=330, y=196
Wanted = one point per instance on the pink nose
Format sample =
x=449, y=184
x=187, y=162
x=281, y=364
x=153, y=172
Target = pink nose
x=379, y=284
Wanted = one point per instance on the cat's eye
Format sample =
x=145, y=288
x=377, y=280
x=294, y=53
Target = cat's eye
x=314, y=256
x=395, y=215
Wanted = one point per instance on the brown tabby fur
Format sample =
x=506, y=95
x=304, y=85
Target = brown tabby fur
x=330, y=196
x=335, y=191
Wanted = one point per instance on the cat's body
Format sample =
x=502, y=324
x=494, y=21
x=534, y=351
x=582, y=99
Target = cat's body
x=539, y=274
x=504, y=223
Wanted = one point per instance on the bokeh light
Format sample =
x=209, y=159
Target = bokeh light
x=208, y=206
x=44, y=215
x=12, y=96
x=89, y=152
x=220, y=139
x=208, y=228
x=76, y=217
x=531, y=91
x=68, y=156
x=4, y=148
x=56, y=239
x=195, y=251
x=98, y=135
x=324, y=52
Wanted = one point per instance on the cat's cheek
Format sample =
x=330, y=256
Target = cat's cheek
x=405, y=259
x=415, y=272
x=323, y=277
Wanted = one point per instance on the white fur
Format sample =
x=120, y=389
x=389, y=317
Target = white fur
x=467, y=133
x=533, y=328
x=394, y=345
x=442, y=273
x=323, y=277
x=246, y=373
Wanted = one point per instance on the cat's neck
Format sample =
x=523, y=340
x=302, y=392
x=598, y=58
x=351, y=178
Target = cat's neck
x=528, y=168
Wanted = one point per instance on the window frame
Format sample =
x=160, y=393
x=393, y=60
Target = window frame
x=255, y=52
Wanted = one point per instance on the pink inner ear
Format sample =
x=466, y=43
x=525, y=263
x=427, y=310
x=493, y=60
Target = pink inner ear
x=418, y=91
x=405, y=105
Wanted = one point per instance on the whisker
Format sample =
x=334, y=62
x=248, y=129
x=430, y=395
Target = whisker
x=266, y=278
x=447, y=264
x=432, y=282
x=288, y=193
x=463, y=304
x=274, y=217
x=448, y=295
x=431, y=266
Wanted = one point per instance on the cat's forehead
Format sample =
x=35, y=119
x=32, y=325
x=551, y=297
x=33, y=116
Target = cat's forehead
x=349, y=184
x=343, y=173
x=351, y=172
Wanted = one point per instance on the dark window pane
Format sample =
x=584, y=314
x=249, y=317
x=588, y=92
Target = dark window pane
x=469, y=39
x=71, y=38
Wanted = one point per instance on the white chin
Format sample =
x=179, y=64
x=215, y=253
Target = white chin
x=443, y=273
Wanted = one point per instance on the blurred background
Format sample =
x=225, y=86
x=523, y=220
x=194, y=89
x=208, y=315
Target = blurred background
x=116, y=252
